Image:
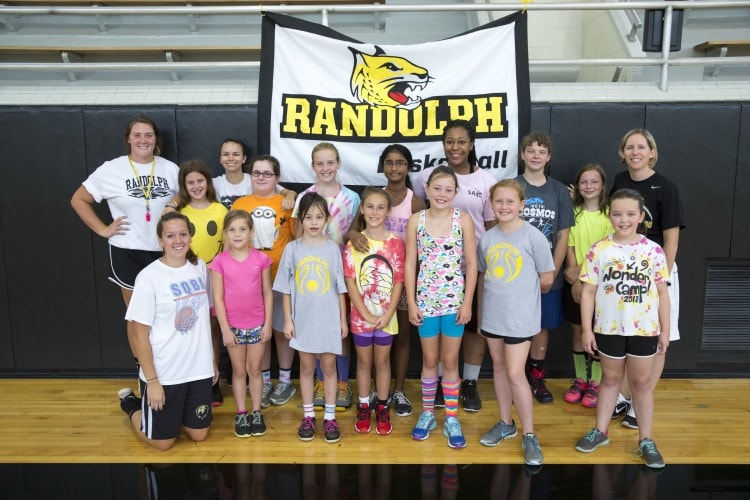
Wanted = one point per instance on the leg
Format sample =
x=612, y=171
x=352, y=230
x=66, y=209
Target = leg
x=500, y=379
x=159, y=444
x=639, y=371
x=238, y=358
x=515, y=364
x=382, y=370
x=254, y=354
x=328, y=365
x=306, y=371
x=364, y=369
x=613, y=371
x=126, y=296
x=401, y=350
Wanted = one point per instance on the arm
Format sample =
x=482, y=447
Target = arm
x=545, y=281
x=156, y=398
x=572, y=269
x=560, y=251
x=83, y=204
x=470, y=261
x=356, y=299
x=217, y=289
x=663, y=317
x=410, y=271
x=288, y=322
x=267, y=284
x=359, y=240
x=671, y=242
x=342, y=317
x=172, y=205
x=289, y=198
x=588, y=295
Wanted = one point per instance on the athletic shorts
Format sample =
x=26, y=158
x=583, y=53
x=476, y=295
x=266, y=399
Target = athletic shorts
x=377, y=337
x=247, y=336
x=507, y=340
x=619, y=346
x=435, y=325
x=125, y=264
x=552, y=309
x=188, y=405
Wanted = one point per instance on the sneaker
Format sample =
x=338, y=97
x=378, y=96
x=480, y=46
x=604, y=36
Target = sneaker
x=129, y=403
x=362, y=423
x=242, y=426
x=591, y=396
x=401, y=403
x=343, y=396
x=621, y=407
x=452, y=430
x=592, y=440
x=306, y=430
x=651, y=456
x=499, y=432
x=333, y=435
x=469, y=396
x=217, y=398
x=282, y=393
x=539, y=388
x=319, y=394
x=630, y=421
x=576, y=391
x=425, y=424
x=265, y=398
x=383, y=424
x=439, y=397
x=532, y=452
x=257, y=424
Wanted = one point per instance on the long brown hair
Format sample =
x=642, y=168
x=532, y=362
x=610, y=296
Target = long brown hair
x=191, y=256
x=189, y=167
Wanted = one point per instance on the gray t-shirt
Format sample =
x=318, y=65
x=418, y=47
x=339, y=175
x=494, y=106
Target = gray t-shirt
x=549, y=209
x=511, y=263
x=314, y=277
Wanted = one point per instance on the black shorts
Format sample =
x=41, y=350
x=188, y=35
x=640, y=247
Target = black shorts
x=570, y=308
x=125, y=264
x=619, y=346
x=187, y=405
x=507, y=340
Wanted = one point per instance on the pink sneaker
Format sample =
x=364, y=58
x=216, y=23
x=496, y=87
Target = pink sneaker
x=575, y=393
x=591, y=396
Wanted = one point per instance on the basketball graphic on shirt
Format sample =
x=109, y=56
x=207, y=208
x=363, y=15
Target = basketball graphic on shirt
x=504, y=262
x=312, y=276
x=186, y=315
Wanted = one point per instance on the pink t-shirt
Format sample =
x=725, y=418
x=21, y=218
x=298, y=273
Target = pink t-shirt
x=243, y=287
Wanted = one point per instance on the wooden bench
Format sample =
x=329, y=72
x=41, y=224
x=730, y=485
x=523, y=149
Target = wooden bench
x=172, y=54
x=721, y=49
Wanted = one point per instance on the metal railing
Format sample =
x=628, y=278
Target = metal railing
x=664, y=61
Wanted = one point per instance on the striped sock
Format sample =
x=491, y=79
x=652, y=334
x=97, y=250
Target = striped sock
x=429, y=386
x=450, y=392
x=309, y=410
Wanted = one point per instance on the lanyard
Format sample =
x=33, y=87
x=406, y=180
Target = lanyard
x=146, y=192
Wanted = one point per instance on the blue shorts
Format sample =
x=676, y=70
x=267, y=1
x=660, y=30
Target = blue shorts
x=552, y=309
x=435, y=325
x=247, y=335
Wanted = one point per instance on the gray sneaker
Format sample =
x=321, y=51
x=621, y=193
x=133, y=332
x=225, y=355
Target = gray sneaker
x=651, y=456
x=532, y=452
x=499, y=432
x=592, y=440
x=282, y=393
x=265, y=400
x=401, y=404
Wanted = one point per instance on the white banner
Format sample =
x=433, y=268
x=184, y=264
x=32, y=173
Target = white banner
x=318, y=85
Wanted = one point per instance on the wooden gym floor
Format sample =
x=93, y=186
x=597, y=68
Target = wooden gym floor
x=697, y=421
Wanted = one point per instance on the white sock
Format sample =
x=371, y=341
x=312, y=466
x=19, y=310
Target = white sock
x=364, y=400
x=471, y=372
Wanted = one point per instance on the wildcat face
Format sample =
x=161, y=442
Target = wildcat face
x=383, y=80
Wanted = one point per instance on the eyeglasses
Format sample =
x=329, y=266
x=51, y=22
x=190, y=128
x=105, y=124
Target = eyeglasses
x=265, y=175
x=398, y=163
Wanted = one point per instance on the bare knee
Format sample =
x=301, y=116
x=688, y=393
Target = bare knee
x=161, y=444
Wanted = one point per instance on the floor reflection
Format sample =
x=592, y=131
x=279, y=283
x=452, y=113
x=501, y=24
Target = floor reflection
x=370, y=482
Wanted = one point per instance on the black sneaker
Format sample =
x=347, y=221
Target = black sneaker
x=469, y=396
x=257, y=424
x=242, y=426
x=439, y=397
x=332, y=433
x=306, y=430
x=217, y=398
x=539, y=389
x=630, y=421
x=128, y=402
x=401, y=404
x=621, y=408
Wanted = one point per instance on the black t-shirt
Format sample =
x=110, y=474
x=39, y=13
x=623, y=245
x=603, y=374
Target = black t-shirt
x=663, y=206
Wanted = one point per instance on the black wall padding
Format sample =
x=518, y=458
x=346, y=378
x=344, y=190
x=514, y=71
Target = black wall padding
x=60, y=314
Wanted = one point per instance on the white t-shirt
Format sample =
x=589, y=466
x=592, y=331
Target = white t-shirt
x=114, y=182
x=174, y=303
